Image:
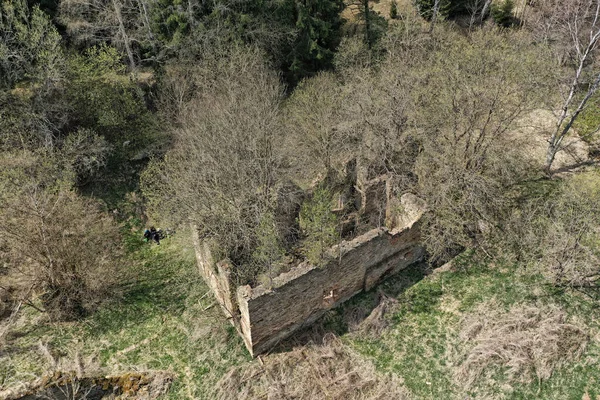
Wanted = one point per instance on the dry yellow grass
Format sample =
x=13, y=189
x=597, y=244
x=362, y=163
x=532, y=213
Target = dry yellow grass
x=532, y=138
x=529, y=342
x=330, y=370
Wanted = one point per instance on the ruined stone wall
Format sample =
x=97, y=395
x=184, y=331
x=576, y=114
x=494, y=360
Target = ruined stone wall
x=217, y=277
x=266, y=315
x=299, y=297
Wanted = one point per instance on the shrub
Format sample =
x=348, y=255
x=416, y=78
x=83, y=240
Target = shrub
x=61, y=244
x=394, y=10
x=503, y=13
x=558, y=232
x=105, y=99
x=320, y=225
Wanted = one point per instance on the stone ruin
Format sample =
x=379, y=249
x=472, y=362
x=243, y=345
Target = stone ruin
x=266, y=314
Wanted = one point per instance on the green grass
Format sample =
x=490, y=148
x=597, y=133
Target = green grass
x=159, y=320
x=422, y=344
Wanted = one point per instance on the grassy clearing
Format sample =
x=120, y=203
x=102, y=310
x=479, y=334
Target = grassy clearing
x=160, y=320
x=423, y=344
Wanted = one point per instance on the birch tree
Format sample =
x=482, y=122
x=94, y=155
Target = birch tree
x=123, y=23
x=581, y=23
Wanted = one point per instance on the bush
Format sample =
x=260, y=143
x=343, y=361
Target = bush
x=61, y=244
x=394, y=10
x=571, y=245
x=556, y=230
x=105, y=99
x=86, y=152
x=320, y=225
x=503, y=13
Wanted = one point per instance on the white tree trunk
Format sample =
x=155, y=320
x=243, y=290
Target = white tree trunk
x=436, y=9
x=584, y=51
x=123, y=33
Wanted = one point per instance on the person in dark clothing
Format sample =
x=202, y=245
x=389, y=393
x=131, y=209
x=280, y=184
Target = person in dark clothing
x=152, y=234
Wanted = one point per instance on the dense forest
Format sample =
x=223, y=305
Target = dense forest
x=116, y=115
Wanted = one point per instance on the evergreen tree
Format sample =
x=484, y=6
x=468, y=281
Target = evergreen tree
x=374, y=23
x=503, y=13
x=426, y=7
x=318, y=24
x=319, y=224
x=394, y=10
x=268, y=250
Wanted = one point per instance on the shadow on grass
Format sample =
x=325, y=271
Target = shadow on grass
x=348, y=316
x=113, y=183
x=154, y=283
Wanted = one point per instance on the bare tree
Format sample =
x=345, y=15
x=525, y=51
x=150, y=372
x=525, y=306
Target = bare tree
x=120, y=22
x=581, y=24
x=315, y=116
x=463, y=106
x=477, y=10
x=63, y=246
x=223, y=169
x=434, y=16
x=485, y=9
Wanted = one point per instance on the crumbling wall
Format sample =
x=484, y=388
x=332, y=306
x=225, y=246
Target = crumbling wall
x=217, y=277
x=300, y=296
x=265, y=315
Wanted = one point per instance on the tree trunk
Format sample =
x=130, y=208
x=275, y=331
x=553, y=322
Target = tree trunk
x=436, y=9
x=367, y=23
x=555, y=141
x=584, y=52
x=117, y=7
x=485, y=9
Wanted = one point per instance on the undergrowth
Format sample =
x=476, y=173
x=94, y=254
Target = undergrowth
x=159, y=320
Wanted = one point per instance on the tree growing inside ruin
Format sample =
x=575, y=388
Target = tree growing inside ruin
x=268, y=251
x=315, y=117
x=224, y=163
x=320, y=226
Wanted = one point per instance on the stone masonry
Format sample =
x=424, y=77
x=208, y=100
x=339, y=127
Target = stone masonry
x=266, y=315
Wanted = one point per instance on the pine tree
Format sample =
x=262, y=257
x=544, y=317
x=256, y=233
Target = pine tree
x=503, y=13
x=318, y=24
x=374, y=24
